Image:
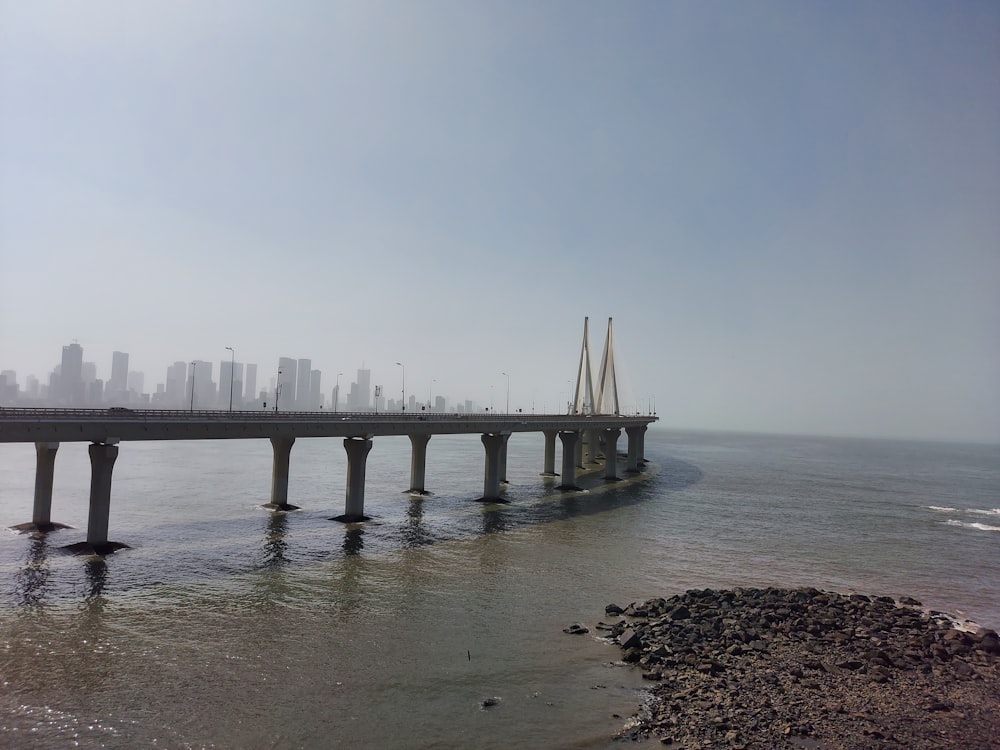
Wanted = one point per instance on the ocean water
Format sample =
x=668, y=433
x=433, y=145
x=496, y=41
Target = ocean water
x=228, y=626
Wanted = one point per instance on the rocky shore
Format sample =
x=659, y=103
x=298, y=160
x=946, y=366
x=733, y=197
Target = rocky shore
x=802, y=668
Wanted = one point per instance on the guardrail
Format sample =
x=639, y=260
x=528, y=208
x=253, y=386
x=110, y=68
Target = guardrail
x=221, y=415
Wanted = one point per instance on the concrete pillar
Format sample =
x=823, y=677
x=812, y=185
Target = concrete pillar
x=577, y=454
x=282, y=447
x=642, y=444
x=593, y=446
x=102, y=461
x=357, y=457
x=503, y=458
x=632, y=462
x=493, y=443
x=549, y=467
x=45, y=464
x=611, y=453
x=418, y=462
x=570, y=446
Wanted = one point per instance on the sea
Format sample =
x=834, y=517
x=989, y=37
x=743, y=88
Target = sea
x=439, y=622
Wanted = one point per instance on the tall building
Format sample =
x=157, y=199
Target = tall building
x=176, y=385
x=286, y=382
x=359, y=397
x=119, y=372
x=230, y=377
x=250, y=384
x=70, y=390
x=135, y=381
x=200, y=378
x=302, y=390
x=315, y=394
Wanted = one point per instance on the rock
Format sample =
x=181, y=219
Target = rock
x=909, y=601
x=613, y=609
x=576, y=629
x=629, y=639
x=489, y=702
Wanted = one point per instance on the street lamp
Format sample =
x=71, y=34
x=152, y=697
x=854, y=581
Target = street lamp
x=194, y=365
x=404, y=384
x=430, y=392
x=232, y=371
x=508, y=390
x=277, y=392
x=336, y=393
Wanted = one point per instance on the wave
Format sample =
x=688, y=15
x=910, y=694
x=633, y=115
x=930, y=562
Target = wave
x=971, y=511
x=972, y=525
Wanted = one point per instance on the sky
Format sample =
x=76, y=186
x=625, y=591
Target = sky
x=790, y=209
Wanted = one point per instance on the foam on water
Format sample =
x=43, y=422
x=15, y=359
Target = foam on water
x=972, y=525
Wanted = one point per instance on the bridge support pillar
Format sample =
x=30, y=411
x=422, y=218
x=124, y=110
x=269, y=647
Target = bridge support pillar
x=570, y=450
x=503, y=459
x=549, y=467
x=357, y=459
x=41, y=514
x=593, y=446
x=635, y=436
x=418, y=463
x=282, y=448
x=494, y=443
x=577, y=453
x=611, y=453
x=102, y=462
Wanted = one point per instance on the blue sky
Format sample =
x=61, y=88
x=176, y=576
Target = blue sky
x=790, y=209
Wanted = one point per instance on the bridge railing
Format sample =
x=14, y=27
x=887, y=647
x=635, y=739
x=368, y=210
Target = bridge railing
x=222, y=415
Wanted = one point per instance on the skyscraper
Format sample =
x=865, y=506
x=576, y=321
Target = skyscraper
x=359, y=397
x=302, y=389
x=286, y=382
x=315, y=394
x=230, y=377
x=118, y=382
x=250, y=383
x=176, y=384
x=71, y=375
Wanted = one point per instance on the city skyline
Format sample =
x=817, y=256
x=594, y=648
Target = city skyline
x=790, y=210
x=213, y=392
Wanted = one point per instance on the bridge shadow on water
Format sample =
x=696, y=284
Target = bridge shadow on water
x=289, y=539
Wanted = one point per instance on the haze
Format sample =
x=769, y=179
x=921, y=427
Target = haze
x=791, y=210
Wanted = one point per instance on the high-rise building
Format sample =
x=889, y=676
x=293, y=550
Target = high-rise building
x=230, y=377
x=176, y=385
x=286, y=382
x=315, y=394
x=302, y=390
x=135, y=381
x=200, y=378
x=119, y=373
x=359, y=397
x=250, y=383
x=70, y=388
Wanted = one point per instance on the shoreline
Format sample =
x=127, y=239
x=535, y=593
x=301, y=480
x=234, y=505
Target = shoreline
x=751, y=668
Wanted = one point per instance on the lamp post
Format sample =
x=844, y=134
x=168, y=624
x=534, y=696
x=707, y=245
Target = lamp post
x=232, y=372
x=404, y=384
x=194, y=366
x=430, y=392
x=508, y=391
x=277, y=392
x=336, y=393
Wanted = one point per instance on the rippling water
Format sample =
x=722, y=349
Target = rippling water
x=229, y=626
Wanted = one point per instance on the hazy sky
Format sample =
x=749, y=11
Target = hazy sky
x=791, y=209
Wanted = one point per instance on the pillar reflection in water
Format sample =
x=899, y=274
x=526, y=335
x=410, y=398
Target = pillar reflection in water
x=415, y=534
x=97, y=577
x=32, y=582
x=353, y=541
x=494, y=521
x=275, y=544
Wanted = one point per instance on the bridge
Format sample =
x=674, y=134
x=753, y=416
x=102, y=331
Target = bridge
x=588, y=437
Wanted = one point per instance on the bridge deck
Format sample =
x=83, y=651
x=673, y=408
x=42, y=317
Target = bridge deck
x=101, y=425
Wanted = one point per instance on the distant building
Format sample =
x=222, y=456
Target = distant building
x=359, y=397
x=176, y=385
x=69, y=391
x=134, y=382
x=118, y=383
x=230, y=383
x=315, y=394
x=439, y=405
x=250, y=383
x=302, y=389
x=286, y=382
